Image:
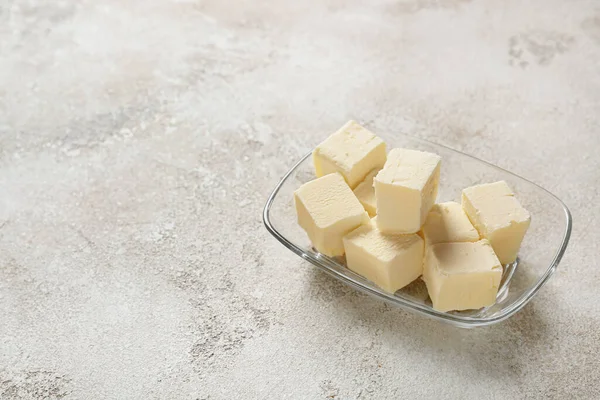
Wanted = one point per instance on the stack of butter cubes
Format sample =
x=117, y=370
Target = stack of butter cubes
x=379, y=210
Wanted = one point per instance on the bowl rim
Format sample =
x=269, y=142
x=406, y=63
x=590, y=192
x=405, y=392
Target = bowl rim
x=329, y=266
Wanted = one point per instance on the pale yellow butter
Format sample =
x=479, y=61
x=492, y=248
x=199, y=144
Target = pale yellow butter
x=365, y=192
x=327, y=210
x=498, y=216
x=462, y=276
x=389, y=261
x=447, y=222
x=406, y=189
x=353, y=151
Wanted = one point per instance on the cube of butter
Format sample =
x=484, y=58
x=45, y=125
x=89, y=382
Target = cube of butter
x=327, y=210
x=462, y=276
x=365, y=192
x=447, y=222
x=353, y=151
x=405, y=190
x=389, y=261
x=498, y=216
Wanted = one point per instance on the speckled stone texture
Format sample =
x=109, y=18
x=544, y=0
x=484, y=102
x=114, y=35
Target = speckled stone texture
x=140, y=139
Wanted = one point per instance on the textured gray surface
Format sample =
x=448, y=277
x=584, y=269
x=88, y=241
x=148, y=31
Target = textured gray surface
x=140, y=139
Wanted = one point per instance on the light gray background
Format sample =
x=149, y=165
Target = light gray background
x=139, y=140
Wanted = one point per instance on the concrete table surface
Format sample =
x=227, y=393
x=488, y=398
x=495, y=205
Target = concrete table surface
x=139, y=141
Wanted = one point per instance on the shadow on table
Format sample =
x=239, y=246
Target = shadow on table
x=494, y=351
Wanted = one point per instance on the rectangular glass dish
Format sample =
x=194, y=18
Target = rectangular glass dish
x=541, y=251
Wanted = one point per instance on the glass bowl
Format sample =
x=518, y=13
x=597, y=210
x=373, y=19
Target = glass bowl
x=541, y=250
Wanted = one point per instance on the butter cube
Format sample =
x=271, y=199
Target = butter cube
x=389, y=261
x=498, y=216
x=365, y=192
x=327, y=210
x=462, y=276
x=353, y=151
x=447, y=222
x=406, y=189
